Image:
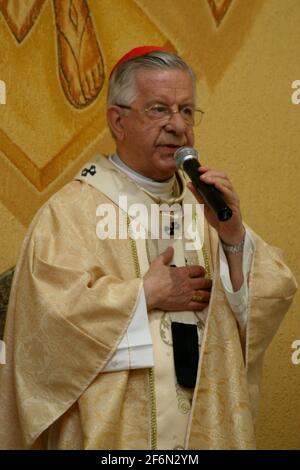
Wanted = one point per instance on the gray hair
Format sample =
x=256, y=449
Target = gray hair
x=122, y=84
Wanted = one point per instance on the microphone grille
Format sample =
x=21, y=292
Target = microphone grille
x=184, y=153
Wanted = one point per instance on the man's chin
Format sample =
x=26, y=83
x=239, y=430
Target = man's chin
x=165, y=172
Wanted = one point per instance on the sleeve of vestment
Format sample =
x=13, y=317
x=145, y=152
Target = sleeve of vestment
x=271, y=289
x=72, y=299
x=238, y=300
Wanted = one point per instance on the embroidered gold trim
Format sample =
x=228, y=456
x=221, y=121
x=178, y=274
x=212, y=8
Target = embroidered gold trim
x=153, y=435
x=206, y=262
x=153, y=422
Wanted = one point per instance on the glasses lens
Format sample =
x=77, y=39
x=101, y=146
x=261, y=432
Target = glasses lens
x=157, y=112
x=187, y=113
x=198, y=115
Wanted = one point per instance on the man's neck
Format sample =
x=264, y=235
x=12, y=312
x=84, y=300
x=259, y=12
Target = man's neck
x=162, y=189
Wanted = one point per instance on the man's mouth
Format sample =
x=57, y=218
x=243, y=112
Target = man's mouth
x=171, y=147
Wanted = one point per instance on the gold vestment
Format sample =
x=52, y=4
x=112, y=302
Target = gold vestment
x=72, y=299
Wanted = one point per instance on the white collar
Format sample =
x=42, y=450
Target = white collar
x=161, y=189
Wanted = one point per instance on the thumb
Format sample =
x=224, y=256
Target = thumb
x=167, y=255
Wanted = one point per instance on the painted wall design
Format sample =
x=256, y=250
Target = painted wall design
x=55, y=57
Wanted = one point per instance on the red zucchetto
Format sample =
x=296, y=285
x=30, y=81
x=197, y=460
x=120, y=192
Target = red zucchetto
x=137, y=51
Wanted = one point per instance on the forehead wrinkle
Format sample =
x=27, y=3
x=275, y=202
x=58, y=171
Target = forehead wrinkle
x=155, y=89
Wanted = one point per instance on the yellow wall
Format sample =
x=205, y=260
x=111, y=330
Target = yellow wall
x=245, y=65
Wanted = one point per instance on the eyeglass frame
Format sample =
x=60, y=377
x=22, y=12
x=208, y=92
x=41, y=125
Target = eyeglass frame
x=170, y=113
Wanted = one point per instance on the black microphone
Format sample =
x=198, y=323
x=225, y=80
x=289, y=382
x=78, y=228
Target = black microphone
x=187, y=159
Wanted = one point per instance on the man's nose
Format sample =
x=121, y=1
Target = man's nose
x=176, y=123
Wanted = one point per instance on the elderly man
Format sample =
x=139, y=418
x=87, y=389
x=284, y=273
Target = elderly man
x=116, y=341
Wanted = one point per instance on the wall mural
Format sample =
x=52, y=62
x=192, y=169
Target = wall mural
x=79, y=57
x=219, y=9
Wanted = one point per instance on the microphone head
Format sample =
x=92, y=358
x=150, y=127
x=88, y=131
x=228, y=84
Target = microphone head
x=183, y=154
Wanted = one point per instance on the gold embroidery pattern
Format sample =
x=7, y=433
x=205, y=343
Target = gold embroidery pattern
x=153, y=421
x=184, y=404
x=204, y=252
x=153, y=436
x=165, y=329
x=206, y=262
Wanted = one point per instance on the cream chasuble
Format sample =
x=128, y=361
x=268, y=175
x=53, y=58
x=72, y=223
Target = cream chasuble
x=171, y=402
x=72, y=299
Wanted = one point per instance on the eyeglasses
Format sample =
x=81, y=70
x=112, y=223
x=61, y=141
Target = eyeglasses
x=163, y=113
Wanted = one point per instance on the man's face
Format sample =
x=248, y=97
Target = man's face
x=148, y=146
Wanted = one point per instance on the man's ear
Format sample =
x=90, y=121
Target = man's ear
x=114, y=117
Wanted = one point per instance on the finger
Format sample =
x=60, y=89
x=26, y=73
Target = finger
x=229, y=194
x=197, y=305
x=200, y=296
x=214, y=178
x=212, y=172
x=195, y=271
x=203, y=169
x=167, y=255
x=201, y=283
x=211, y=178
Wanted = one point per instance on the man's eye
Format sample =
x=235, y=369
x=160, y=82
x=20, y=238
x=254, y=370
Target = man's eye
x=158, y=109
x=187, y=111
